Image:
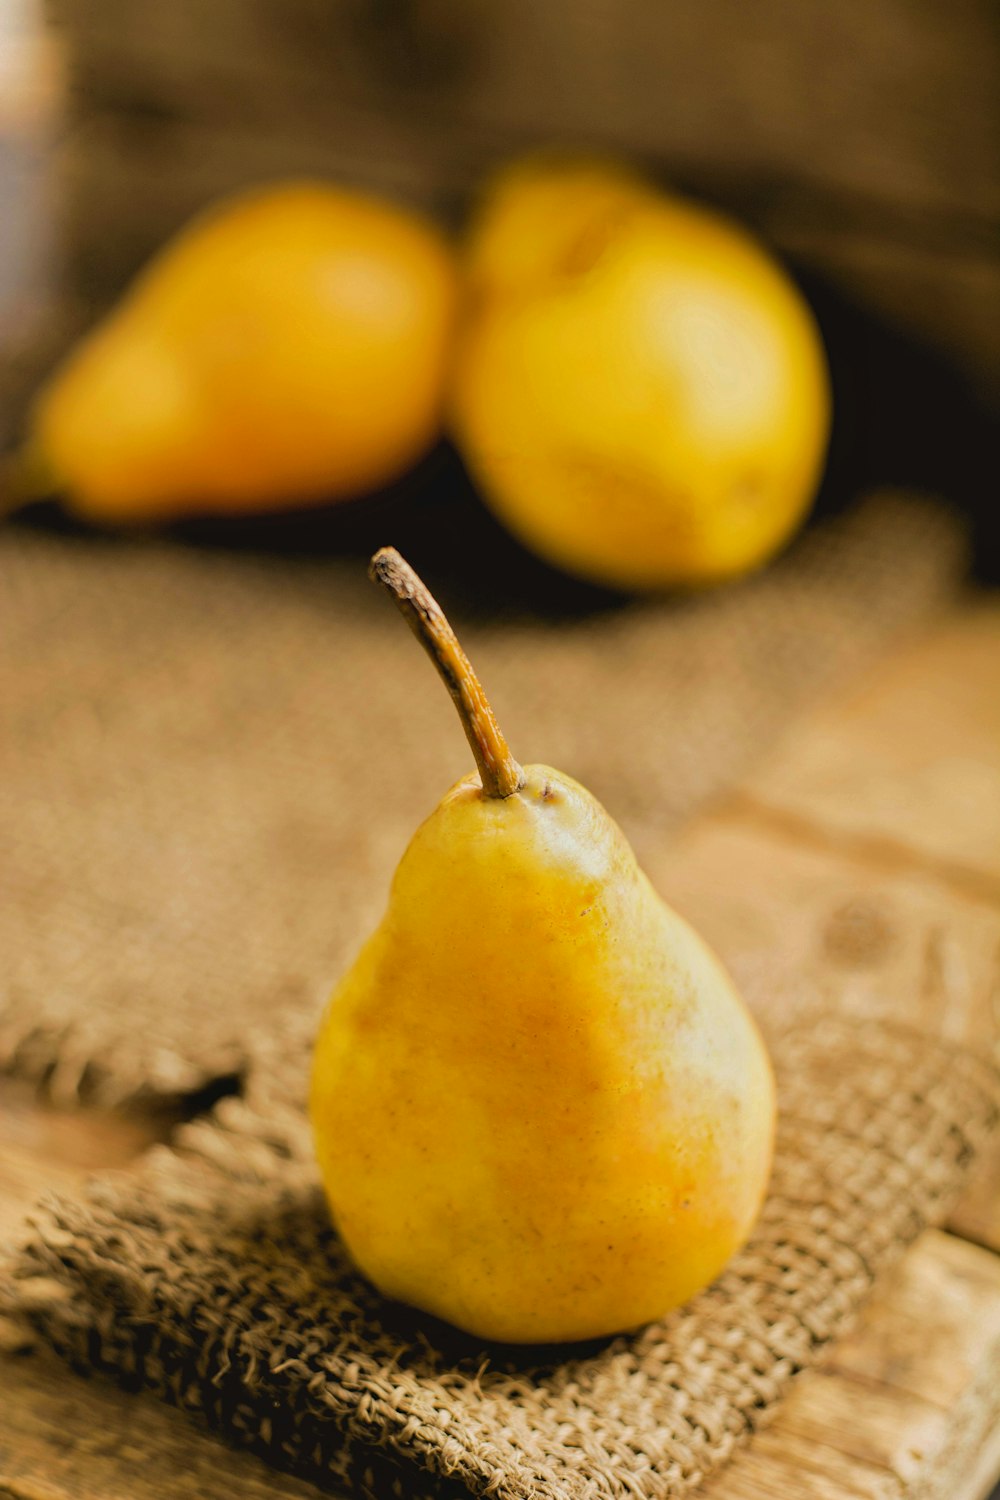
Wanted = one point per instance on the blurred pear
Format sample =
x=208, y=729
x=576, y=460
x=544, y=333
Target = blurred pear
x=640, y=390
x=290, y=346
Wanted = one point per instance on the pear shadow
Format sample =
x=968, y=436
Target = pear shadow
x=436, y=518
x=299, y=1234
x=462, y=1351
x=433, y=515
x=276, y=1342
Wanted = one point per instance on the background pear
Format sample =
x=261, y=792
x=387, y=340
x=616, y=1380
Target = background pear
x=287, y=348
x=639, y=389
x=542, y=1112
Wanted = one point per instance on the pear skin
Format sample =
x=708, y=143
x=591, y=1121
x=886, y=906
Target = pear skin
x=542, y=1112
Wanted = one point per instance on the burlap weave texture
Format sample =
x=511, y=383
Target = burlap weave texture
x=211, y=765
x=216, y=1281
x=210, y=769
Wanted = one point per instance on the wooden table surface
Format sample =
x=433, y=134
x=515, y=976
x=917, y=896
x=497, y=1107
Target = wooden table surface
x=866, y=850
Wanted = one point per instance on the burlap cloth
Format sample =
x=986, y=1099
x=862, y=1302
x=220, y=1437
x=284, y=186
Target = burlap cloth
x=223, y=1288
x=209, y=769
x=211, y=764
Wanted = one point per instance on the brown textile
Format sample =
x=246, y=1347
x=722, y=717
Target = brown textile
x=217, y=1282
x=210, y=765
x=209, y=768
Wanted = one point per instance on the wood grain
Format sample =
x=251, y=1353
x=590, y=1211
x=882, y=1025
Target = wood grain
x=903, y=1404
x=57, y=1149
x=864, y=858
x=797, y=924
x=66, y=1437
x=648, y=76
x=905, y=770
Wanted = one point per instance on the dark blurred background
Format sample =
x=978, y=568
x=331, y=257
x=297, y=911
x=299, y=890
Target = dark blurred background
x=861, y=140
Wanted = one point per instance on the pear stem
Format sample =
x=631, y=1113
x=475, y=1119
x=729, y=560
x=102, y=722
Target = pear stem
x=500, y=772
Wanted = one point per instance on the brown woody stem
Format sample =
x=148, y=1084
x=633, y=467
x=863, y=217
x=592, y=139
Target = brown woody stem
x=500, y=772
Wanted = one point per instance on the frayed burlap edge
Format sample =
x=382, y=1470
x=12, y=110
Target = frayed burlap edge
x=212, y=1277
x=259, y=715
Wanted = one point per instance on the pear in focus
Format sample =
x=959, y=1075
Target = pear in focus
x=542, y=1112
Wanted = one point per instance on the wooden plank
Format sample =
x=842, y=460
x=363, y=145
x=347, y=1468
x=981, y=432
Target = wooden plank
x=906, y=768
x=903, y=1405
x=65, y=1437
x=899, y=1344
x=57, y=1149
x=782, y=1465
x=982, y=1481
x=865, y=854
x=976, y=1216
x=799, y=924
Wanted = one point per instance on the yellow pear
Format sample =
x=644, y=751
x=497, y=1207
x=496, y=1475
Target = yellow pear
x=288, y=347
x=639, y=389
x=541, y=1110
